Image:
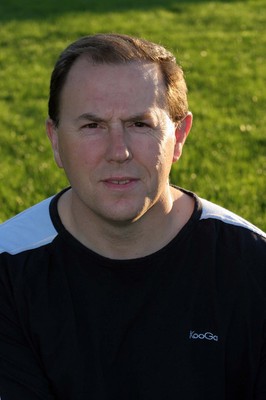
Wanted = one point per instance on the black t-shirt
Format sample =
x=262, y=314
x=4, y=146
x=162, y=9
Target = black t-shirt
x=187, y=322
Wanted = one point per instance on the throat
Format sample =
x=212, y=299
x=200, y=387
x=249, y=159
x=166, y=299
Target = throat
x=127, y=240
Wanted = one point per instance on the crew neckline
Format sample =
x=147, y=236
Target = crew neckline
x=77, y=246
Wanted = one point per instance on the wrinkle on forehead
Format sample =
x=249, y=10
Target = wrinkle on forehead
x=113, y=90
x=148, y=70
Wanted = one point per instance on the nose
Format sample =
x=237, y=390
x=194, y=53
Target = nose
x=118, y=149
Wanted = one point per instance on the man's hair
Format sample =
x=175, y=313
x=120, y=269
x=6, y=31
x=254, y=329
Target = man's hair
x=121, y=49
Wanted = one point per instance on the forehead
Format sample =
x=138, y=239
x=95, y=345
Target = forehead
x=141, y=70
x=136, y=80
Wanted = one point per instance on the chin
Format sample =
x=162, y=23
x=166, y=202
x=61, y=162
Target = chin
x=123, y=217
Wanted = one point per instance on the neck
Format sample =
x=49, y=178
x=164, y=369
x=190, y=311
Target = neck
x=128, y=240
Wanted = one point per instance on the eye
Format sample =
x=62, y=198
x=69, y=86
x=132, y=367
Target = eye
x=140, y=124
x=91, y=125
x=140, y=127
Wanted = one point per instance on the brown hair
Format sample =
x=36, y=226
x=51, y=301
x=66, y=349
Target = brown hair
x=118, y=49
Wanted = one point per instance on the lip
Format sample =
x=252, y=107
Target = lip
x=120, y=183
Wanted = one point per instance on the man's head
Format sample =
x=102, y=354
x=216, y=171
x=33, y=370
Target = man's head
x=121, y=49
x=113, y=128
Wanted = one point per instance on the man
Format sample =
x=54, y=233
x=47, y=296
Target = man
x=124, y=286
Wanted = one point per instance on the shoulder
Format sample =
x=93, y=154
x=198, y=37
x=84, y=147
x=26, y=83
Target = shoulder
x=216, y=213
x=28, y=230
x=239, y=246
x=232, y=233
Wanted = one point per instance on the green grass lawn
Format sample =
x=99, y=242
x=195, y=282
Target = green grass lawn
x=220, y=44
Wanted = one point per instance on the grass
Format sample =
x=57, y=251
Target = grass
x=221, y=46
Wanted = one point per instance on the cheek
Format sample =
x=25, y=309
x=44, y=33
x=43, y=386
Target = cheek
x=147, y=152
x=158, y=158
x=78, y=154
x=167, y=150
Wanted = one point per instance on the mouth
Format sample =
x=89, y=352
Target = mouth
x=123, y=182
x=119, y=182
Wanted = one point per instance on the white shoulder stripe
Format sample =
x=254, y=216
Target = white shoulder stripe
x=28, y=230
x=213, y=211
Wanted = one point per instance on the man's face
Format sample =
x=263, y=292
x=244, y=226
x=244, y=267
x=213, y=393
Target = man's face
x=115, y=139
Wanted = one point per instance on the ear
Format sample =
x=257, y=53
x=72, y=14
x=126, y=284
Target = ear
x=181, y=133
x=52, y=133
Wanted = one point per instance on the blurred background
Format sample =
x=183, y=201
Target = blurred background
x=219, y=44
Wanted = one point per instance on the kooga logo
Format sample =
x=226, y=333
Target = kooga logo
x=201, y=336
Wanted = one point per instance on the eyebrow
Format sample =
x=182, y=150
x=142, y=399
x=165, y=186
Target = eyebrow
x=96, y=118
x=88, y=117
x=140, y=116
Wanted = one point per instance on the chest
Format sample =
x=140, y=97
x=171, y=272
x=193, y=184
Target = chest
x=145, y=336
